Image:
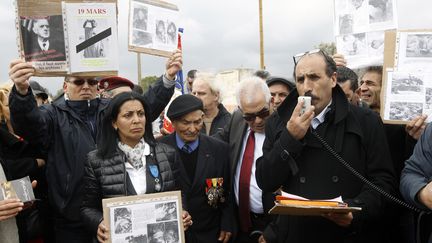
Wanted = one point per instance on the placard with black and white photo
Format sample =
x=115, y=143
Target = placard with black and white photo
x=357, y=16
x=407, y=95
x=43, y=42
x=362, y=49
x=92, y=36
x=153, y=27
x=145, y=218
x=359, y=29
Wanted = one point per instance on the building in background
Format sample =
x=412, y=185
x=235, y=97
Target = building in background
x=229, y=80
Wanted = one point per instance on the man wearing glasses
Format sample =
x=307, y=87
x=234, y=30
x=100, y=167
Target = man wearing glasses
x=67, y=131
x=245, y=135
x=296, y=159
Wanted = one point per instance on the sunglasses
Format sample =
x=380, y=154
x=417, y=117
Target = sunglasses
x=79, y=82
x=265, y=112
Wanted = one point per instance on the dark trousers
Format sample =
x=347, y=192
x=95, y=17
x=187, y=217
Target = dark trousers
x=259, y=223
x=67, y=231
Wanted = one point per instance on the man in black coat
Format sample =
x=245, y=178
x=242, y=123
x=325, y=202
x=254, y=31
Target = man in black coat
x=295, y=159
x=68, y=130
x=204, y=172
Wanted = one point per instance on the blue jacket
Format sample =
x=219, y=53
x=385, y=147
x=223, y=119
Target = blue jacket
x=417, y=172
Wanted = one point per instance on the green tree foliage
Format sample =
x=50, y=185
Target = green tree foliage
x=329, y=48
x=147, y=81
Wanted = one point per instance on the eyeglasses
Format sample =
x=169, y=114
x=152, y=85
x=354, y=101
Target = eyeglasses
x=265, y=112
x=79, y=82
x=299, y=56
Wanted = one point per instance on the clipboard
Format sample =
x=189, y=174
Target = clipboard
x=301, y=210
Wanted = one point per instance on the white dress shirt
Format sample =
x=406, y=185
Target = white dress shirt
x=41, y=45
x=255, y=193
x=317, y=120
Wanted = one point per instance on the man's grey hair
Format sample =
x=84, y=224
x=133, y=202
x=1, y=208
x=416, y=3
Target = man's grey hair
x=212, y=81
x=248, y=89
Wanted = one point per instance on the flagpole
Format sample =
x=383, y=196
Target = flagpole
x=139, y=67
x=262, y=66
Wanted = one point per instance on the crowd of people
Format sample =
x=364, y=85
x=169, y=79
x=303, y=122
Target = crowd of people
x=97, y=141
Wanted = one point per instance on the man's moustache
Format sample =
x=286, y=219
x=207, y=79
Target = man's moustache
x=309, y=93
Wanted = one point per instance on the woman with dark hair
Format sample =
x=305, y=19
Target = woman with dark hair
x=128, y=161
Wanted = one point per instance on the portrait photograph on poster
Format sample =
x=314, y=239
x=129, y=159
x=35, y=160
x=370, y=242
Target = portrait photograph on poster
x=153, y=27
x=140, y=17
x=359, y=27
x=43, y=38
x=92, y=36
x=92, y=27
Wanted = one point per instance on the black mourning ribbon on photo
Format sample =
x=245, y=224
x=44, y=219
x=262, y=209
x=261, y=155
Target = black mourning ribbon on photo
x=89, y=42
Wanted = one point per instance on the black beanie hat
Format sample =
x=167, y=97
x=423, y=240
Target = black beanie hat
x=183, y=105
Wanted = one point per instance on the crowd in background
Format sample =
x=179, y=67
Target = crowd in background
x=104, y=137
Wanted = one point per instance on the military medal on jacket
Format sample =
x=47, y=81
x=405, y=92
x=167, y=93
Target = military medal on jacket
x=215, y=191
x=154, y=171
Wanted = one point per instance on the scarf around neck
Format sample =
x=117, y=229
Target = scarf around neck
x=136, y=155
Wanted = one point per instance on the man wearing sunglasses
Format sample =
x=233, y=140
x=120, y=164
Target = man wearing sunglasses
x=245, y=135
x=296, y=159
x=67, y=130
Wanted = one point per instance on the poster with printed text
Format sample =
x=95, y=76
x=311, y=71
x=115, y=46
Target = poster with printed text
x=153, y=217
x=91, y=34
x=40, y=36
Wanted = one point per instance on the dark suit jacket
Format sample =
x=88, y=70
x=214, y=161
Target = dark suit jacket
x=233, y=134
x=55, y=52
x=212, y=162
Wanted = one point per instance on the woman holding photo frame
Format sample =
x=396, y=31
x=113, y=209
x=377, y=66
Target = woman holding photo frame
x=128, y=161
